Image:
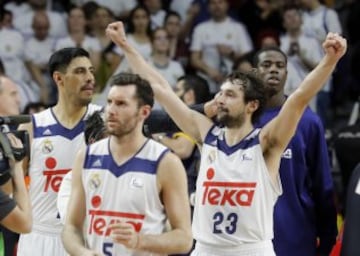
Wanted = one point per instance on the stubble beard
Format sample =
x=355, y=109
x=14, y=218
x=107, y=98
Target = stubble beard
x=231, y=122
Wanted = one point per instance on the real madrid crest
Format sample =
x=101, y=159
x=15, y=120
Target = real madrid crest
x=94, y=181
x=211, y=157
x=47, y=146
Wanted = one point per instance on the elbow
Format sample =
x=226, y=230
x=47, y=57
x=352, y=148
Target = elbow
x=182, y=153
x=24, y=227
x=187, y=243
x=27, y=227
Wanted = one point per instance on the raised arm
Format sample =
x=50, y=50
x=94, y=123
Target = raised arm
x=277, y=133
x=191, y=122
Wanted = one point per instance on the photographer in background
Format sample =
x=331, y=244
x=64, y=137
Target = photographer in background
x=15, y=212
x=9, y=105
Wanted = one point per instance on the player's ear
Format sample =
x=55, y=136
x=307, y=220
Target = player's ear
x=145, y=111
x=57, y=76
x=252, y=106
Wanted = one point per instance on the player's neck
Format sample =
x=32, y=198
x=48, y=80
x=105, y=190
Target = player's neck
x=69, y=115
x=125, y=147
x=276, y=101
x=234, y=135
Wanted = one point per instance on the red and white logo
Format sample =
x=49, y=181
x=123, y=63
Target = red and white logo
x=53, y=177
x=101, y=219
x=227, y=193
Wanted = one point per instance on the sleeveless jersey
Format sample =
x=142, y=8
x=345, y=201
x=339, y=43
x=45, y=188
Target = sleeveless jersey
x=126, y=193
x=235, y=196
x=53, y=151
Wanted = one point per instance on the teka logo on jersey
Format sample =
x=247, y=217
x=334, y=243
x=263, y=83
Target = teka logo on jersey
x=53, y=177
x=227, y=193
x=101, y=219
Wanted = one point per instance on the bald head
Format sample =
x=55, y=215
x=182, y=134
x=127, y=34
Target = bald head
x=9, y=97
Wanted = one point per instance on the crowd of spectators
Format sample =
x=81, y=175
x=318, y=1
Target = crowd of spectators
x=187, y=37
x=181, y=37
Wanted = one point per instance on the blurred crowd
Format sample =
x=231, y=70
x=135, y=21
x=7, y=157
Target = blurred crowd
x=181, y=37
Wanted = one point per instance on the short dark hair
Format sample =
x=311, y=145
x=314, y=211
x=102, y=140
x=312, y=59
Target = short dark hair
x=267, y=49
x=199, y=85
x=171, y=13
x=253, y=88
x=61, y=59
x=144, y=92
x=95, y=128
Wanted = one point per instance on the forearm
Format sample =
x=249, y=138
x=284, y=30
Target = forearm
x=315, y=80
x=20, y=193
x=73, y=240
x=175, y=241
x=139, y=65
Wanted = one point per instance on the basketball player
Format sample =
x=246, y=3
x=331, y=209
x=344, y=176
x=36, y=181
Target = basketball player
x=126, y=186
x=238, y=182
x=57, y=134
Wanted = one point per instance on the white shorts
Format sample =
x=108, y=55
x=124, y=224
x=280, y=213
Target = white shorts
x=264, y=248
x=41, y=245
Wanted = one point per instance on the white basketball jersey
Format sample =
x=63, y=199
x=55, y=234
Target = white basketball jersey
x=126, y=193
x=235, y=195
x=53, y=151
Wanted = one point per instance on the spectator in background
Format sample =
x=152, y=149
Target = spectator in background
x=109, y=60
x=38, y=49
x=157, y=13
x=160, y=59
x=6, y=18
x=213, y=53
x=139, y=30
x=318, y=20
x=303, y=52
x=120, y=8
x=25, y=92
x=260, y=15
x=17, y=7
x=9, y=97
x=179, y=49
x=10, y=106
x=12, y=51
x=23, y=22
x=180, y=7
x=15, y=212
x=79, y=38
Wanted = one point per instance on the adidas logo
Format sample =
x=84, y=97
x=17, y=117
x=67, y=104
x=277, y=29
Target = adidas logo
x=287, y=154
x=47, y=132
x=97, y=163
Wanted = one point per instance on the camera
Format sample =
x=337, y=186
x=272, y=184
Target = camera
x=7, y=151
